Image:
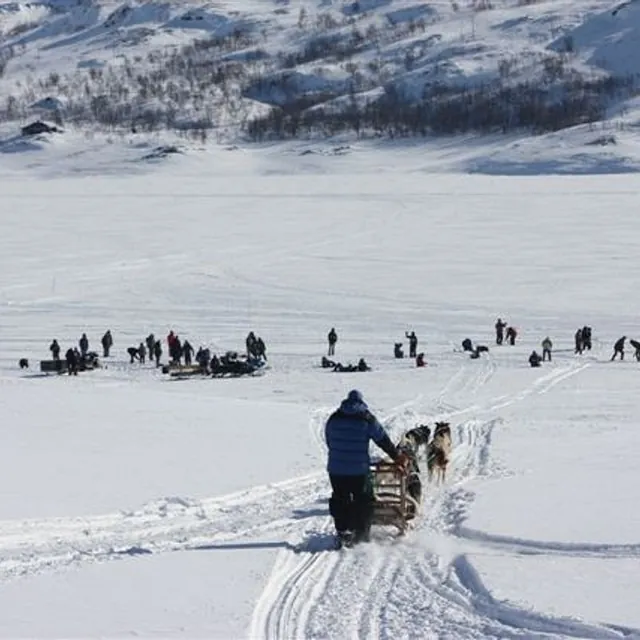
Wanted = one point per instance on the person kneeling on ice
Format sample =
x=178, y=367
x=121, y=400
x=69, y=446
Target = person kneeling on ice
x=347, y=434
x=535, y=359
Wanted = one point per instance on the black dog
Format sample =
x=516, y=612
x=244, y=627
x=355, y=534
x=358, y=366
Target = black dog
x=419, y=436
x=23, y=363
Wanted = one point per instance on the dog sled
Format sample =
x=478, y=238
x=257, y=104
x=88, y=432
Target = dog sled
x=396, y=495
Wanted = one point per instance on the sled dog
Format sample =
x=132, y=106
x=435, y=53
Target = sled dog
x=439, y=452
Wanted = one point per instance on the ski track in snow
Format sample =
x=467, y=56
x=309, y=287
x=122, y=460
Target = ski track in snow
x=363, y=592
x=169, y=524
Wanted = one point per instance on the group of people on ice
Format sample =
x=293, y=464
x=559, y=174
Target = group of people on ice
x=510, y=334
x=180, y=352
x=76, y=358
x=398, y=351
x=362, y=365
x=327, y=363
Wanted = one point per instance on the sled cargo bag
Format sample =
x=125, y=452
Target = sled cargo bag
x=185, y=370
x=53, y=366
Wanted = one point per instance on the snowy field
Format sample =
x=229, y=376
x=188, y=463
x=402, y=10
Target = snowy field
x=131, y=504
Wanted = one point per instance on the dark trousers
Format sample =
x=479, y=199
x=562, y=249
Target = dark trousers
x=351, y=503
x=332, y=349
x=616, y=352
x=546, y=354
x=412, y=350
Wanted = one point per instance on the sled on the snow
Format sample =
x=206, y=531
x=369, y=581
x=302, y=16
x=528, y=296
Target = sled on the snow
x=183, y=370
x=53, y=366
x=395, y=499
x=88, y=363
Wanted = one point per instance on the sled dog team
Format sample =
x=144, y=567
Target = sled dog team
x=437, y=451
x=348, y=432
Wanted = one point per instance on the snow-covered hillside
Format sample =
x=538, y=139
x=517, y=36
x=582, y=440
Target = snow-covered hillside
x=291, y=69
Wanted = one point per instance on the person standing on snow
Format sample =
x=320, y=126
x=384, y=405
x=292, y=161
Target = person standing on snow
x=413, y=343
x=579, y=343
x=500, y=327
x=347, y=434
x=187, y=352
x=332, y=338
x=107, y=343
x=151, y=341
x=157, y=352
x=71, y=357
x=586, y=338
x=261, y=349
x=54, y=347
x=547, y=345
x=250, y=344
x=83, y=343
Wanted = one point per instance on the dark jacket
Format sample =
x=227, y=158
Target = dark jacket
x=347, y=434
x=535, y=359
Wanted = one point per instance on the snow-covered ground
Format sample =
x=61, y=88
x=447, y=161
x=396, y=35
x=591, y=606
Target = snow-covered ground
x=131, y=504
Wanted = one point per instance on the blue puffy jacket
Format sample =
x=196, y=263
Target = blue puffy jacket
x=347, y=434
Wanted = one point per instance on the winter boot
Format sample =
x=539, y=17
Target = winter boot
x=345, y=539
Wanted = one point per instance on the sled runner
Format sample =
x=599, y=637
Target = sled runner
x=393, y=502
